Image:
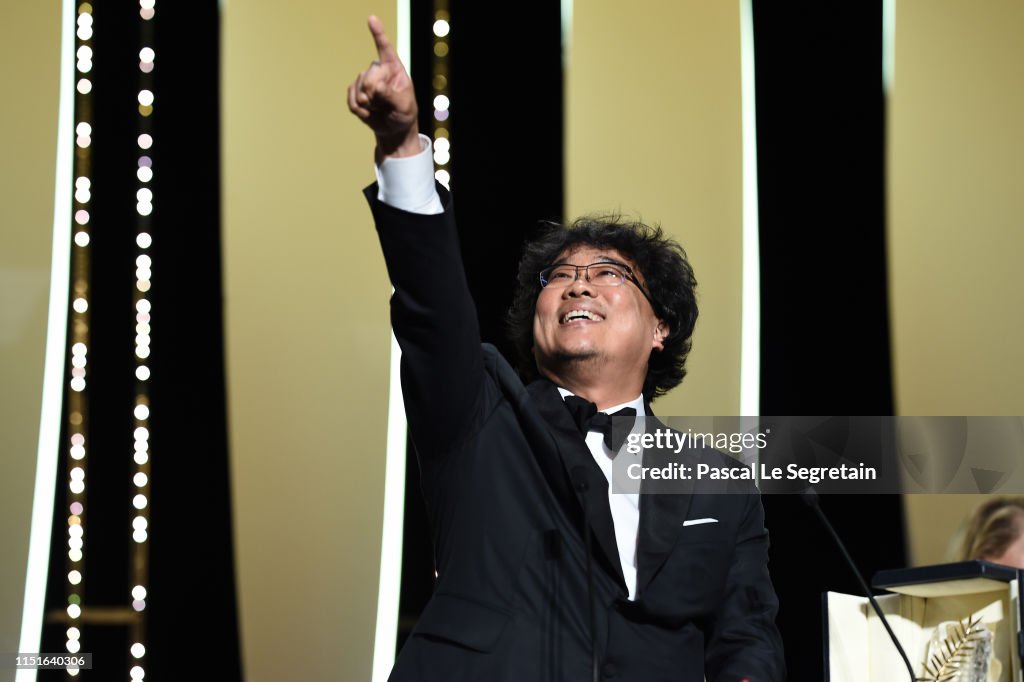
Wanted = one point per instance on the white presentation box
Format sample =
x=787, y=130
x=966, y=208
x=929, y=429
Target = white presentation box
x=858, y=649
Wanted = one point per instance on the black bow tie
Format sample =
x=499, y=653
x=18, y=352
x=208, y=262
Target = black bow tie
x=587, y=418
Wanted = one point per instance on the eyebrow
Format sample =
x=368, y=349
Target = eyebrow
x=600, y=259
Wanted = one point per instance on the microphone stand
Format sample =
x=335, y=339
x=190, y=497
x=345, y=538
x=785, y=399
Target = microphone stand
x=579, y=475
x=810, y=498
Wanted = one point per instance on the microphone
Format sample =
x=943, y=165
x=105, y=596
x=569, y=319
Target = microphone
x=811, y=499
x=581, y=482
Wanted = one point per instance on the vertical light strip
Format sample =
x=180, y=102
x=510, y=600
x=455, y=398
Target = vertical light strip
x=392, y=525
x=143, y=309
x=441, y=89
x=888, y=45
x=50, y=411
x=566, y=32
x=750, y=322
x=81, y=267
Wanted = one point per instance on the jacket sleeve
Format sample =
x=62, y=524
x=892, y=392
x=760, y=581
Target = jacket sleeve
x=435, y=322
x=742, y=641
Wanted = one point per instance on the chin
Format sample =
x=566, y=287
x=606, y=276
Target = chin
x=568, y=355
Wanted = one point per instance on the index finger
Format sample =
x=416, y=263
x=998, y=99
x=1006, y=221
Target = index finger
x=384, y=48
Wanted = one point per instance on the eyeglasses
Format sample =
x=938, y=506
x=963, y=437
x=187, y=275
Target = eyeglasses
x=602, y=274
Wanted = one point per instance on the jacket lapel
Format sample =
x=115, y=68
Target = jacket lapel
x=572, y=453
x=661, y=513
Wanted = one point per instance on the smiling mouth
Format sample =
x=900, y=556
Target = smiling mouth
x=577, y=315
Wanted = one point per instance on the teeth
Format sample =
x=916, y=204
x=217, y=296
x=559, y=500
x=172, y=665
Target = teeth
x=580, y=315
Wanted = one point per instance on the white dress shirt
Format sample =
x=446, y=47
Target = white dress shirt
x=625, y=507
x=407, y=183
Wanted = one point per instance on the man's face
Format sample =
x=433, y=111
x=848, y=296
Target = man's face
x=620, y=327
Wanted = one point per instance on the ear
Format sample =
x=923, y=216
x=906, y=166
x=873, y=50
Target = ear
x=660, y=334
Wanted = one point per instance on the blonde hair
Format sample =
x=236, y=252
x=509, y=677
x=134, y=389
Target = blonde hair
x=992, y=528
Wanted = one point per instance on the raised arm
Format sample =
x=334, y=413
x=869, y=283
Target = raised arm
x=432, y=312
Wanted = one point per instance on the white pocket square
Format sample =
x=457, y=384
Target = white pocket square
x=697, y=522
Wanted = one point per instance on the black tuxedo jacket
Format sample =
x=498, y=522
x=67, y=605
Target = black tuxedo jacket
x=497, y=461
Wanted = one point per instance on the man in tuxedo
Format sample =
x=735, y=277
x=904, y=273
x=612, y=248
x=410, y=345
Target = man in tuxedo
x=544, y=572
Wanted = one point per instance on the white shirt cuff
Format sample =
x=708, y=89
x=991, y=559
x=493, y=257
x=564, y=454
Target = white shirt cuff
x=407, y=183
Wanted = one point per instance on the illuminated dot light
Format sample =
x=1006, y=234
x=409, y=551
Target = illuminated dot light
x=441, y=28
x=139, y=502
x=144, y=240
x=145, y=141
x=137, y=673
x=75, y=555
x=84, y=86
x=141, y=411
x=73, y=633
x=76, y=508
x=138, y=592
x=138, y=650
x=139, y=604
x=140, y=480
x=146, y=97
x=443, y=177
x=83, y=134
x=142, y=373
x=82, y=239
x=140, y=523
x=75, y=577
x=73, y=646
x=144, y=174
x=74, y=610
x=140, y=536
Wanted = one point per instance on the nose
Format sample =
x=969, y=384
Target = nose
x=580, y=286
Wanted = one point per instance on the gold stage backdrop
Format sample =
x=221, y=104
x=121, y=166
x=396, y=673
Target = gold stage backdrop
x=29, y=80
x=307, y=336
x=956, y=225
x=653, y=128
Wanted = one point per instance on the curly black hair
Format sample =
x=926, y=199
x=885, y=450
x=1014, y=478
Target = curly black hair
x=659, y=261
